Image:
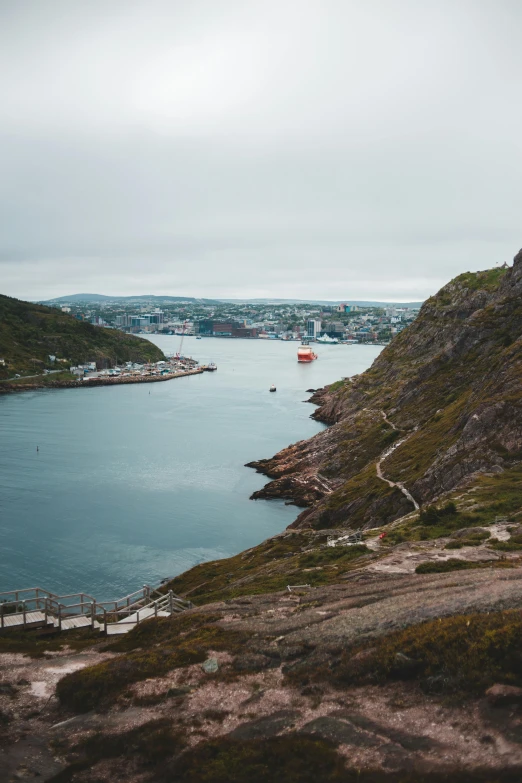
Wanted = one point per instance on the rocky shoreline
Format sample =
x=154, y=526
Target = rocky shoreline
x=6, y=388
x=440, y=404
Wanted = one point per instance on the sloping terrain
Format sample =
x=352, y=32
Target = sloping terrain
x=441, y=403
x=383, y=678
x=29, y=333
x=390, y=656
x=393, y=660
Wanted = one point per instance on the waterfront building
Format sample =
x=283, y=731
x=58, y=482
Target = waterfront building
x=313, y=328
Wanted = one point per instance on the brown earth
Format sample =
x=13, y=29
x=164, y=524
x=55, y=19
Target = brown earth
x=387, y=727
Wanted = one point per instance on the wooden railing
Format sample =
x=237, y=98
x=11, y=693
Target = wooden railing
x=58, y=608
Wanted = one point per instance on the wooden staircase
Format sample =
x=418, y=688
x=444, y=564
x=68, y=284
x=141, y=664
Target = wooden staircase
x=35, y=607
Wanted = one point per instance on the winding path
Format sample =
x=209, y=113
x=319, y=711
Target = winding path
x=384, y=455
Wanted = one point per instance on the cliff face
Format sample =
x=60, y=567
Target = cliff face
x=441, y=403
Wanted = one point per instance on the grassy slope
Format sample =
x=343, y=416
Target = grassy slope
x=273, y=565
x=30, y=332
x=463, y=355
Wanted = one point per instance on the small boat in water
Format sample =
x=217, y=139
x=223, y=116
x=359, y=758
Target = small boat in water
x=211, y=367
x=305, y=353
x=272, y=388
x=198, y=337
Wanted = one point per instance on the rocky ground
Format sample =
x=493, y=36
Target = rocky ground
x=263, y=689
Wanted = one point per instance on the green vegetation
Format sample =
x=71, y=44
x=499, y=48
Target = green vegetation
x=153, y=742
x=444, y=566
x=170, y=644
x=464, y=654
x=356, y=499
x=146, y=745
x=410, y=461
x=488, y=280
x=360, y=440
x=460, y=358
x=434, y=516
x=158, y=747
x=285, y=560
x=268, y=568
x=513, y=545
x=336, y=385
x=459, y=543
x=44, y=380
x=29, y=333
x=37, y=642
x=288, y=759
x=489, y=497
x=336, y=555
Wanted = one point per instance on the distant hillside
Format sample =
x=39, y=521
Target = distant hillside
x=152, y=298
x=325, y=302
x=29, y=333
x=155, y=299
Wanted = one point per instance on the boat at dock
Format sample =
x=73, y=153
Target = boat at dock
x=211, y=367
x=305, y=353
x=327, y=340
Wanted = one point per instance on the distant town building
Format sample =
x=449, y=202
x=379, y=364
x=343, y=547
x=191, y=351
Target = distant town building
x=313, y=328
x=244, y=331
x=346, y=308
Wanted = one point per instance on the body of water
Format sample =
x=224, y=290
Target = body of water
x=135, y=483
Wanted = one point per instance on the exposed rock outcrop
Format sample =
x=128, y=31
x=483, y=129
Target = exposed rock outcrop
x=447, y=391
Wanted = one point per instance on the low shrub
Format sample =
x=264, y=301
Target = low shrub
x=152, y=741
x=464, y=654
x=444, y=566
x=506, y=546
x=458, y=543
x=332, y=555
x=288, y=759
x=149, y=745
x=433, y=515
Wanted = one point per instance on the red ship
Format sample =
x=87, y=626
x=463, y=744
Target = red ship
x=305, y=354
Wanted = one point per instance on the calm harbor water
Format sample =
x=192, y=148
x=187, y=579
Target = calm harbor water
x=135, y=483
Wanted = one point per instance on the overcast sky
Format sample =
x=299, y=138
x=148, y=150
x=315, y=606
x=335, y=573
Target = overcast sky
x=367, y=149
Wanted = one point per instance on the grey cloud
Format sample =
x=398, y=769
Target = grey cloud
x=325, y=149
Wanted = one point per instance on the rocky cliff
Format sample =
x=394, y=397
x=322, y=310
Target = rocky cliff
x=442, y=403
